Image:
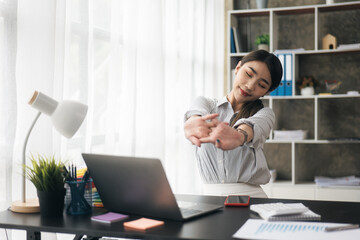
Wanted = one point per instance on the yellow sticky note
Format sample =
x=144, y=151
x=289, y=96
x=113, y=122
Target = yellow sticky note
x=143, y=224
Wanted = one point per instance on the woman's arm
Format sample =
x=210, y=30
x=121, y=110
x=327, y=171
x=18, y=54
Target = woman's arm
x=201, y=106
x=199, y=120
x=252, y=131
x=262, y=122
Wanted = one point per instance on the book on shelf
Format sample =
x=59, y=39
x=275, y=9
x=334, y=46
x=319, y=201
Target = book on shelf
x=232, y=41
x=237, y=40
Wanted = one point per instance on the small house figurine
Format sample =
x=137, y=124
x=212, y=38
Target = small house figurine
x=329, y=42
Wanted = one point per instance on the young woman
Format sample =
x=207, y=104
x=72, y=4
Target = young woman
x=230, y=133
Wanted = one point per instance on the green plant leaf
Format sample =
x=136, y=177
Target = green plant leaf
x=262, y=39
x=46, y=173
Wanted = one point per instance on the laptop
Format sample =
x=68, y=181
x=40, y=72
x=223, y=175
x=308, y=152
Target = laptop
x=139, y=186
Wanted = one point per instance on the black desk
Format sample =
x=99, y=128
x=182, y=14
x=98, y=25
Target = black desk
x=219, y=225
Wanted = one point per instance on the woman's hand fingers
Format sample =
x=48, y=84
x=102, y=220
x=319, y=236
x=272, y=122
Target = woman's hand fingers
x=211, y=120
x=210, y=116
x=194, y=141
x=219, y=132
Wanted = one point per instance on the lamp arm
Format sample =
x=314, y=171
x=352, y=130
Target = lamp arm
x=24, y=157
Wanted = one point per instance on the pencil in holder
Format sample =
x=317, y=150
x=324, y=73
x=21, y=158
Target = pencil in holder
x=78, y=199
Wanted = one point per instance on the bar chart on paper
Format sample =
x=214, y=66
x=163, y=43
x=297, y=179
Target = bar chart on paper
x=261, y=229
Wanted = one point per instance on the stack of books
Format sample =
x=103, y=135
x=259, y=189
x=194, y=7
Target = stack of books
x=290, y=135
x=341, y=181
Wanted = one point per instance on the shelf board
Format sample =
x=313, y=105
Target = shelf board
x=297, y=9
x=311, y=141
x=278, y=11
x=294, y=10
x=282, y=183
x=242, y=54
x=250, y=13
x=324, y=51
x=312, y=97
x=339, y=6
x=306, y=52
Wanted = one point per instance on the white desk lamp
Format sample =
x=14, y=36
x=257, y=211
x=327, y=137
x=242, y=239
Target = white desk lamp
x=66, y=116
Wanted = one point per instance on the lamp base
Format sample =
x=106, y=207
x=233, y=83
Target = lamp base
x=29, y=206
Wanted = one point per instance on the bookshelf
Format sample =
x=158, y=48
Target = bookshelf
x=332, y=146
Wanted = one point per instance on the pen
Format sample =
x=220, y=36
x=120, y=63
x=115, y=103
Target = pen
x=341, y=228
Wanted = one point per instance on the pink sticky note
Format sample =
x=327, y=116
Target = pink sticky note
x=143, y=223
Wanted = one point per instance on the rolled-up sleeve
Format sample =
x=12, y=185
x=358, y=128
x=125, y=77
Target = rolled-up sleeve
x=262, y=122
x=200, y=106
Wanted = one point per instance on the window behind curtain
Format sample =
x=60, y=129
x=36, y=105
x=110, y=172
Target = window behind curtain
x=94, y=48
x=7, y=96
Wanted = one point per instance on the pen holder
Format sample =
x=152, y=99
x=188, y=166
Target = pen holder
x=78, y=199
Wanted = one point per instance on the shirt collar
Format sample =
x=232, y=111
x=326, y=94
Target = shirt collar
x=222, y=101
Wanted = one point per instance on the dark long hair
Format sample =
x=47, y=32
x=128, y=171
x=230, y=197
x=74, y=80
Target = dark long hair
x=274, y=65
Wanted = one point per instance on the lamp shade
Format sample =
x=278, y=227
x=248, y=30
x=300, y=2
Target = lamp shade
x=66, y=116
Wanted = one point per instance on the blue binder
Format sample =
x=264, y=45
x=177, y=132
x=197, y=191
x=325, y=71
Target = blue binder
x=288, y=74
x=274, y=93
x=232, y=41
x=281, y=88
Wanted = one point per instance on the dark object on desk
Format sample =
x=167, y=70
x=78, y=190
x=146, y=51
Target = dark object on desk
x=78, y=198
x=237, y=201
x=139, y=186
x=46, y=173
x=51, y=203
x=342, y=228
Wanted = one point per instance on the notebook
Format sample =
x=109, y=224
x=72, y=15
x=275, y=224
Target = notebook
x=109, y=217
x=139, y=186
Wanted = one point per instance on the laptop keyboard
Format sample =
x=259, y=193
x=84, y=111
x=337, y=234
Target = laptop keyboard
x=188, y=208
x=189, y=211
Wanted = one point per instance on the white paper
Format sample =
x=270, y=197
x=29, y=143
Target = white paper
x=261, y=229
x=341, y=181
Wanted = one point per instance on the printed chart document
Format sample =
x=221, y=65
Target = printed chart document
x=261, y=229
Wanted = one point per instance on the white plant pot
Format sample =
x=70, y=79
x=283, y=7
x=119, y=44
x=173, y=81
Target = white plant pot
x=263, y=47
x=307, y=91
x=261, y=3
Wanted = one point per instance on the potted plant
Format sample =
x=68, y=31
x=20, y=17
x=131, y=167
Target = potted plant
x=307, y=85
x=48, y=176
x=262, y=41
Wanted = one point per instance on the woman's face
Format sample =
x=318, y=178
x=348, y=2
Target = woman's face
x=252, y=81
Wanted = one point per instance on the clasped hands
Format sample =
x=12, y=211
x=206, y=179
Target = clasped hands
x=208, y=129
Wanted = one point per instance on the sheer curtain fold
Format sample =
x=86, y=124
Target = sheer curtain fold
x=137, y=64
x=8, y=104
x=193, y=66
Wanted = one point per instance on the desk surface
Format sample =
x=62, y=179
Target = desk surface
x=219, y=225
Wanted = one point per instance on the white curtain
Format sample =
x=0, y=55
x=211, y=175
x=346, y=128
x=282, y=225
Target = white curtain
x=137, y=64
x=8, y=104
